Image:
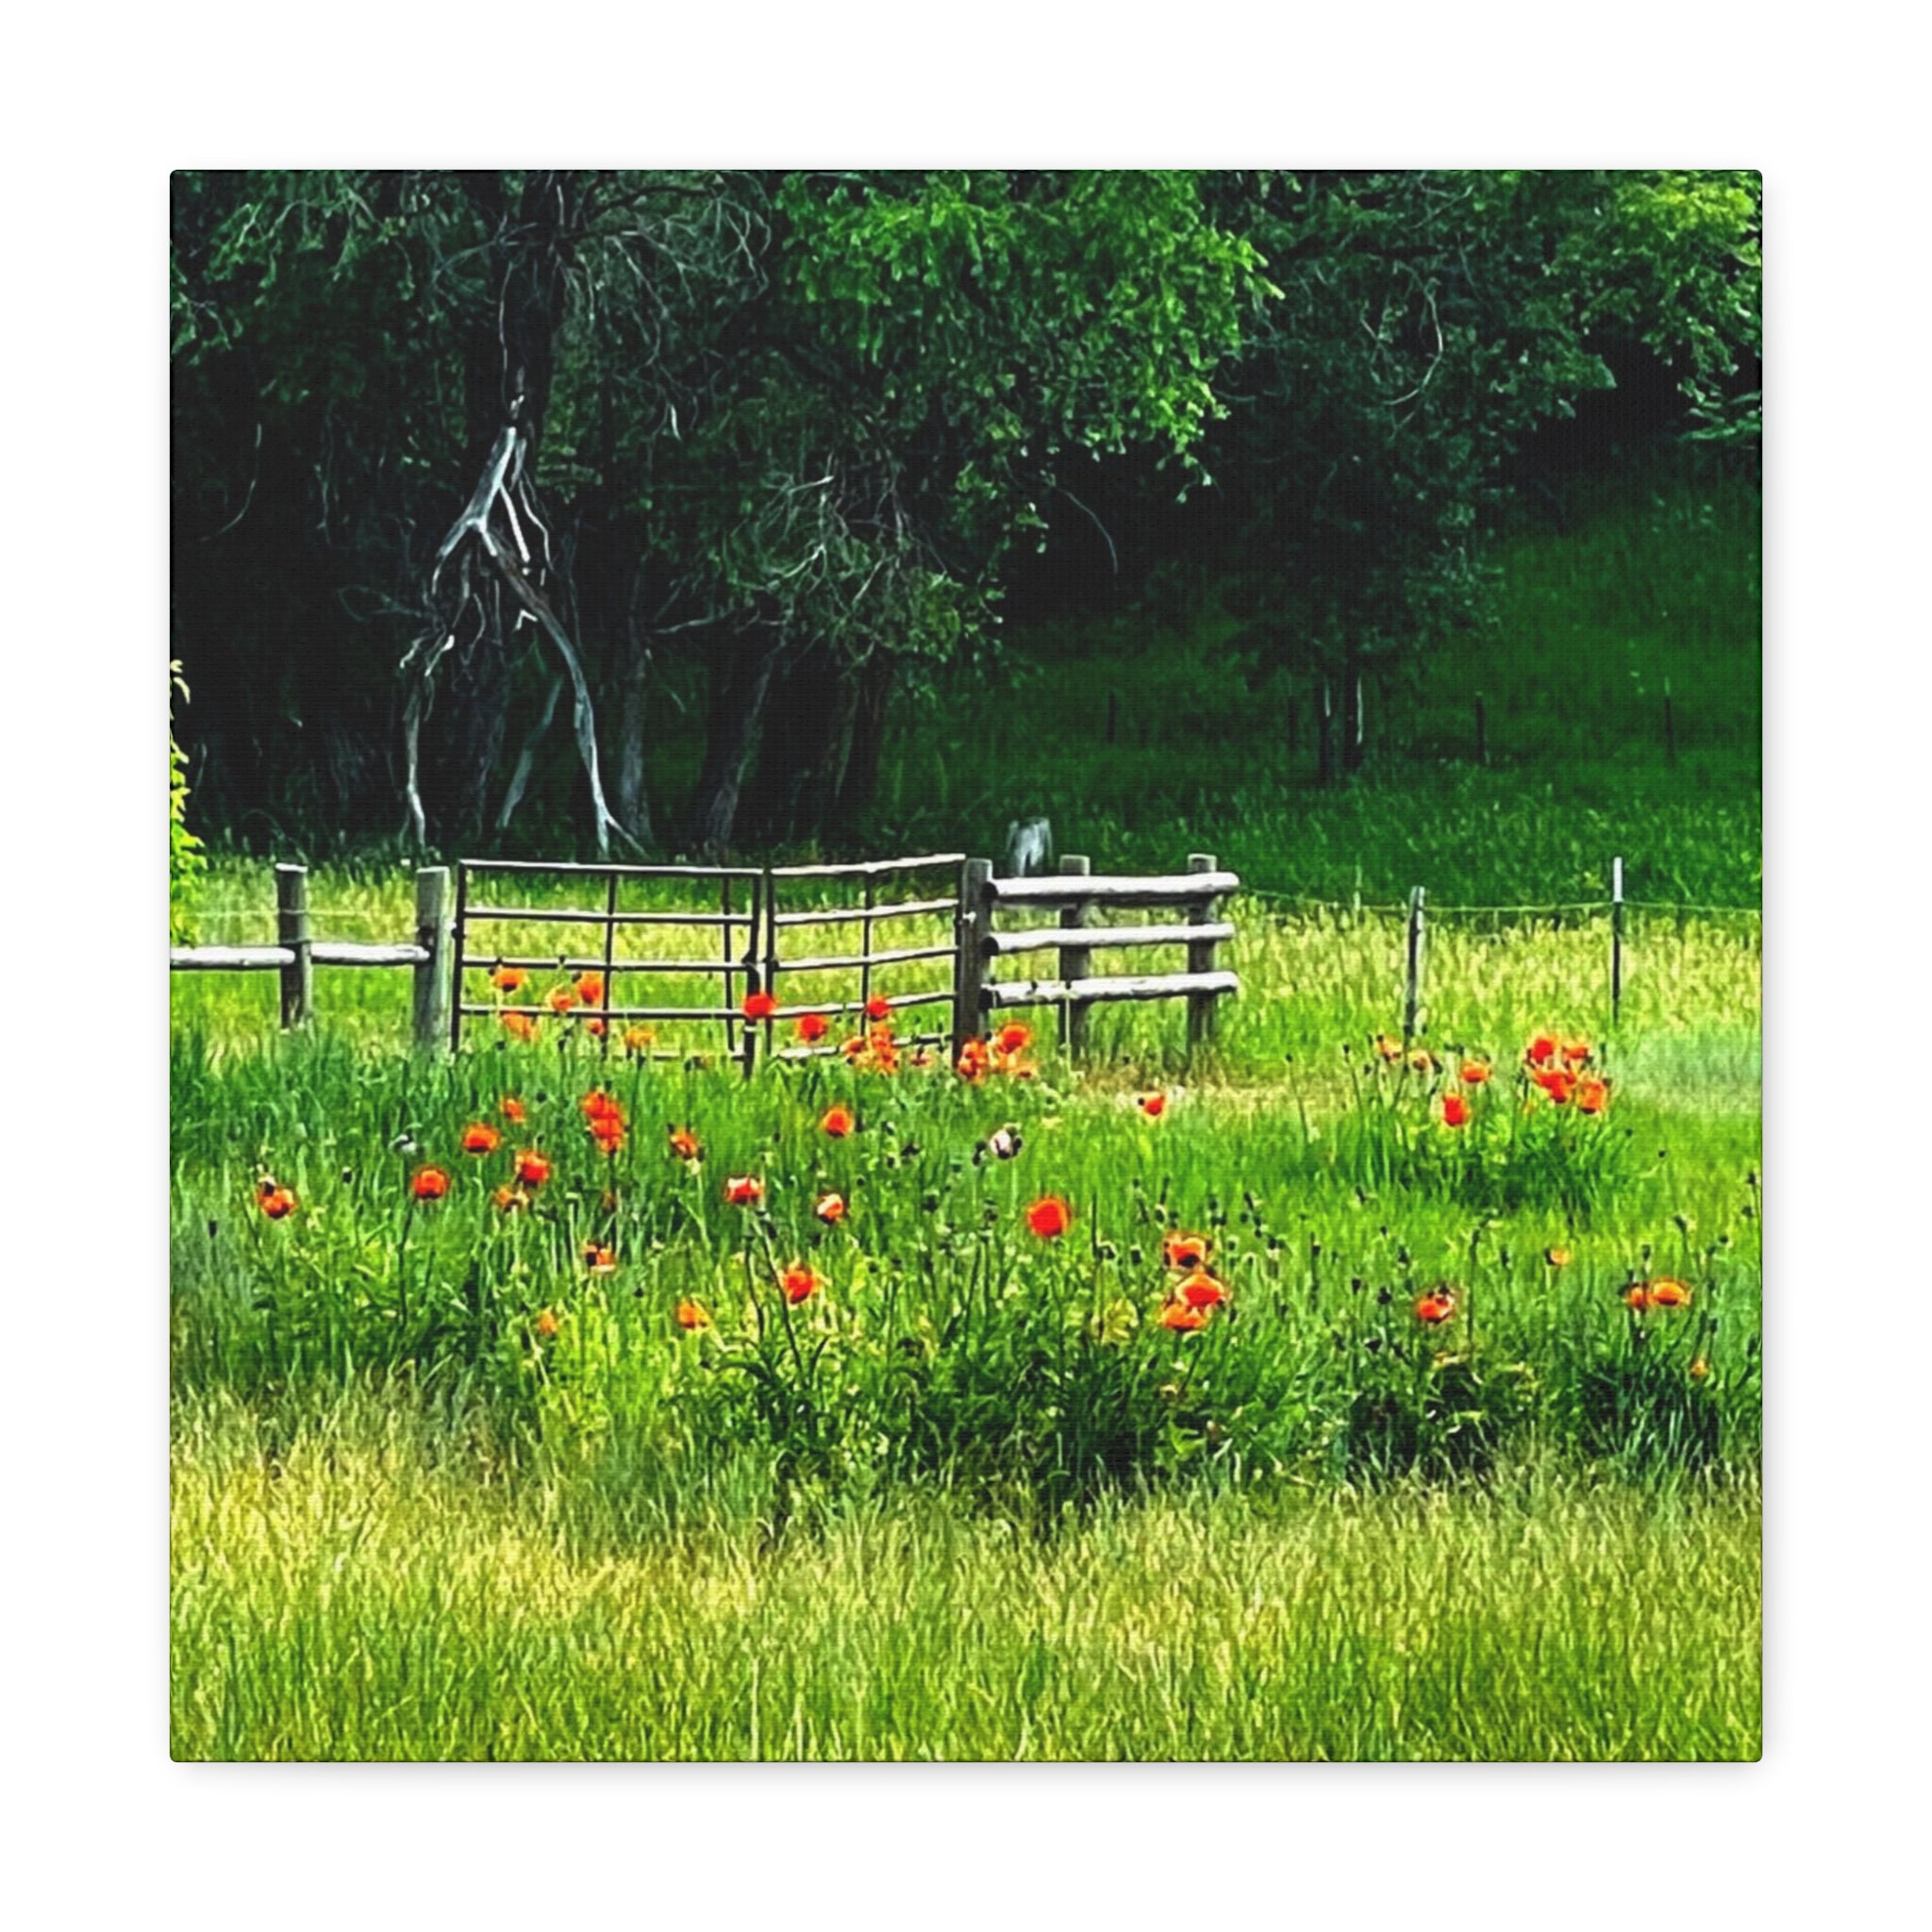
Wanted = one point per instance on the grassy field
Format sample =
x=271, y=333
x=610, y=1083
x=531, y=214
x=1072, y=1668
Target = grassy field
x=1297, y=1399
x=366, y=1585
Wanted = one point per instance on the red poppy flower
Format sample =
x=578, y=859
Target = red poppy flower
x=838, y=1122
x=1539, y=1049
x=878, y=1008
x=600, y=1261
x=1185, y=1251
x=1666, y=1293
x=1436, y=1306
x=1556, y=1083
x=1592, y=1096
x=508, y=978
x=1636, y=1296
x=519, y=1024
x=830, y=1208
x=759, y=1006
x=559, y=999
x=1154, y=1105
x=684, y=1144
x=609, y=1134
x=481, y=1138
x=590, y=988
x=799, y=1284
x=595, y=1028
x=532, y=1168
x=1049, y=1217
x=513, y=1109
x=430, y=1184
x=744, y=1190
x=1475, y=1072
x=277, y=1203
x=691, y=1315
x=597, y=1104
x=547, y=1324
x=1454, y=1111
x=1575, y=1051
x=1201, y=1290
x=1014, y=1038
x=974, y=1057
x=812, y=1026
x=1181, y=1316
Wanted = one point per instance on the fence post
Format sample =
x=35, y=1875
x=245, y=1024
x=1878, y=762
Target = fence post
x=292, y=930
x=1616, y=941
x=1201, y=957
x=432, y=974
x=974, y=925
x=1077, y=962
x=1412, y=987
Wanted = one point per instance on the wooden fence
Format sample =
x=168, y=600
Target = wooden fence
x=296, y=952
x=772, y=931
x=1071, y=897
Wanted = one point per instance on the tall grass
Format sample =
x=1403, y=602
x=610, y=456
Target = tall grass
x=367, y=1586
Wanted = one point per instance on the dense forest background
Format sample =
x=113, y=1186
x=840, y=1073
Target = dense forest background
x=560, y=511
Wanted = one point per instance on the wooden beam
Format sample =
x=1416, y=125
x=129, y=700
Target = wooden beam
x=1152, y=986
x=1175, y=889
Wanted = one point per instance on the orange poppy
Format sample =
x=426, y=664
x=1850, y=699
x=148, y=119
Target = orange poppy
x=561, y=999
x=1592, y=1096
x=1201, y=1290
x=277, y=1203
x=838, y=1122
x=1013, y=1037
x=595, y=1028
x=1185, y=1251
x=684, y=1144
x=975, y=1057
x=520, y=1024
x=1557, y=1258
x=830, y=1208
x=513, y=1109
x=1666, y=1293
x=430, y=1184
x=1475, y=1072
x=508, y=1199
x=878, y=1008
x=532, y=1168
x=1049, y=1217
x=1454, y=1111
x=1184, y=1317
x=638, y=1039
x=800, y=1283
x=1153, y=1104
x=481, y=1138
x=590, y=989
x=597, y=1104
x=1699, y=1369
x=508, y=978
x=1556, y=1084
x=759, y=1006
x=1539, y=1049
x=743, y=1190
x=607, y=1133
x=1436, y=1306
x=693, y=1315
x=599, y=1260
x=812, y=1026
x=1575, y=1051
x=547, y=1324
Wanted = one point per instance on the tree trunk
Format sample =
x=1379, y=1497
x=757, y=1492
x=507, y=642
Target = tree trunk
x=801, y=755
x=869, y=717
x=741, y=677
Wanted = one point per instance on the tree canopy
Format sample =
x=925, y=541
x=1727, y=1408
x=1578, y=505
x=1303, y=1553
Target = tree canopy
x=459, y=455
